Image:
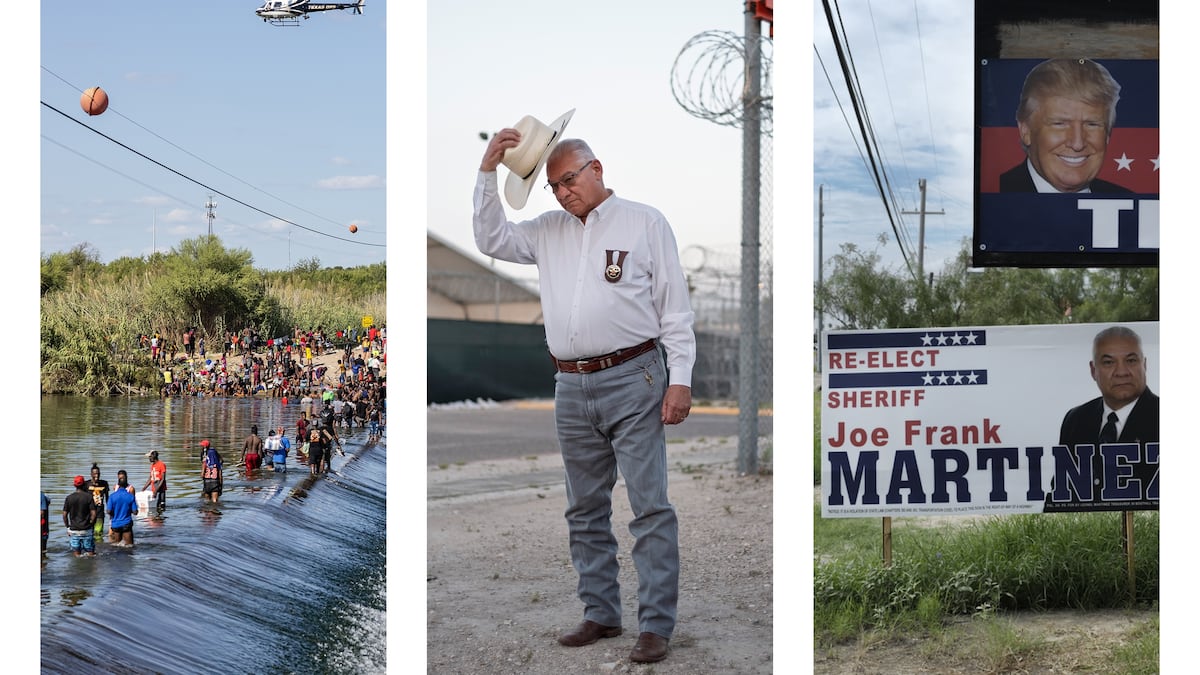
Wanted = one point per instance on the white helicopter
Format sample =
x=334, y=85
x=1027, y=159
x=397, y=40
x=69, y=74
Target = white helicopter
x=289, y=12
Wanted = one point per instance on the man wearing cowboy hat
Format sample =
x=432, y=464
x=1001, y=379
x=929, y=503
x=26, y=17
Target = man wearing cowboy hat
x=614, y=299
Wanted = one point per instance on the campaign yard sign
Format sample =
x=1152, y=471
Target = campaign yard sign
x=987, y=420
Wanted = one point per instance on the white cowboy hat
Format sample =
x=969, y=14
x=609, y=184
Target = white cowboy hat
x=525, y=161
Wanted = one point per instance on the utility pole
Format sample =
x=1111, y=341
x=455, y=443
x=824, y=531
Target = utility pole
x=921, y=240
x=820, y=267
x=748, y=346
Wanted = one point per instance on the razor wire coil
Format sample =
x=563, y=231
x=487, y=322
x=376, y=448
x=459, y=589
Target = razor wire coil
x=708, y=79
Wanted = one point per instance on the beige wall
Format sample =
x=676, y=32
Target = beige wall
x=440, y=307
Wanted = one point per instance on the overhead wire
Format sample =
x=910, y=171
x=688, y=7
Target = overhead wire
x=195, y=156
x=925, y=81
x=903, y=235
x=887, y=193
x=905, y=230
x=176, y=198
x=841, y=107
x=854, y=87
x=887, y=90
x=205, y=185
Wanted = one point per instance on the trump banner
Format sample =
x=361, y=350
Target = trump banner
x=1066, y=134
x=1109, y=213
x=989, y=420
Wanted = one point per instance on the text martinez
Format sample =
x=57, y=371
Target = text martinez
x=947, y=470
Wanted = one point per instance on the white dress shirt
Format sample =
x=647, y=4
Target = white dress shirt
x=1122, y=415
x=586, y=315
x=1043, y=186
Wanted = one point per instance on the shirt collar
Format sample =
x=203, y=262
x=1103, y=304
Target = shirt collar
x=1044, y=186
x=601, y=209
x=1122, y=414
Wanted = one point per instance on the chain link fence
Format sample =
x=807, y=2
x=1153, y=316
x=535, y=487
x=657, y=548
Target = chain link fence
x=714, y=279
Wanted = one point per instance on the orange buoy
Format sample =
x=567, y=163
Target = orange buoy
x=94, y=101
x=353, y=228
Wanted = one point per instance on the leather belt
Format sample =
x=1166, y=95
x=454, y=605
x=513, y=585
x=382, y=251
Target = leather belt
x=595, y=363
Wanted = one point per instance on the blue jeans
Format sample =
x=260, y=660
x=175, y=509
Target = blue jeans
x=610, y=420
x=83, y=541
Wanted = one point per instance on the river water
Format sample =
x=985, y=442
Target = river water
x=286, y=574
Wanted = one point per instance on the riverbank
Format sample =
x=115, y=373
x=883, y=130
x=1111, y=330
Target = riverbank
x=235, y=363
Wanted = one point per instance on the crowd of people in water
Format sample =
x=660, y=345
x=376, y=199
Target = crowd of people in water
x=354, y=395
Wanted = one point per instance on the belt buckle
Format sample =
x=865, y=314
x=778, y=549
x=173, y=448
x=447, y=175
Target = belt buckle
x=579, y=365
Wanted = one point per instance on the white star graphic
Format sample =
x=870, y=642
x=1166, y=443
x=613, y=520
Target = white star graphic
x=942, y=379
x=941, y=338
x=926, y=339
x=927, y=379
x=1155, y=161
x=956, y=338
x=971, y=337
x=1123, y=163
x=958, y=378
x=972, y=378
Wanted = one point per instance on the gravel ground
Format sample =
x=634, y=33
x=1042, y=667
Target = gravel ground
x=501, y=588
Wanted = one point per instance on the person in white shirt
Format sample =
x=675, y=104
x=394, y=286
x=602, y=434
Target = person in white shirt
x=614, y=298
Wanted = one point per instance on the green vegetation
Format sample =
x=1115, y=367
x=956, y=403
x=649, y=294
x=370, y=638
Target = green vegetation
x=998, y=563
x=858, y=294
x=93, y=314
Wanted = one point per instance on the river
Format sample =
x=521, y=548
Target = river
x=286, y=574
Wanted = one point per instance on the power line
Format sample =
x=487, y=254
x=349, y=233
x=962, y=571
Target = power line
x=896, y=205
x=841, y=107
x=195, y=156
x=888, y=91
x=925, y=81
x=864, y=126
x=204, y=185
x=185, y=202
x=886, y=192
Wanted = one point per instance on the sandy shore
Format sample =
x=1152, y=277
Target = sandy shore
x=501, y=586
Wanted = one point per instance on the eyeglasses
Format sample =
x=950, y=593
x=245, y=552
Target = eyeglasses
x=567, y=180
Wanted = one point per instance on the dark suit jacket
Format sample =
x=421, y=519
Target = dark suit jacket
x=1017, y=179
x=1082, y=424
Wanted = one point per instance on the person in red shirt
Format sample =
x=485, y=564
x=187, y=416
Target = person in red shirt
x=158, y=480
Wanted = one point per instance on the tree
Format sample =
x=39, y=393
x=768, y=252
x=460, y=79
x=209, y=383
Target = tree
x=203, y=282
x=79, y=263
x=1120, y=294
x=860, y=295
x=307, y=265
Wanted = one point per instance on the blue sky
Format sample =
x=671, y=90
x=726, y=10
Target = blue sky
x=913, y=60
x=288, y=120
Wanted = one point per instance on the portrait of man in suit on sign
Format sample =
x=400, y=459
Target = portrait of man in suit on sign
x=1125, y=412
